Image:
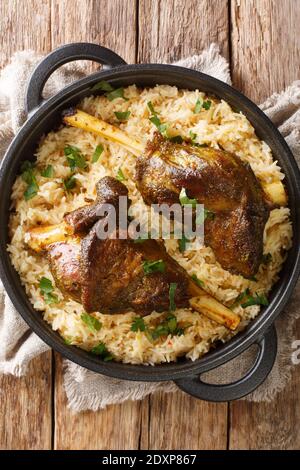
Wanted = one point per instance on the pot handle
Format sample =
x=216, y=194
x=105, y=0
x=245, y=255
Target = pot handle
x=61, y=56
x=233, y=391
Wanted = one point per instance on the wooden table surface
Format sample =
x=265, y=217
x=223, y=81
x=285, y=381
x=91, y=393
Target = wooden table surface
x=261, y=40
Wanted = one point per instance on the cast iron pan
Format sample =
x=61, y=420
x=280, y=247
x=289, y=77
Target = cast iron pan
x=46, y=115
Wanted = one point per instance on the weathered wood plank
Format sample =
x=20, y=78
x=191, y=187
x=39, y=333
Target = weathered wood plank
x=25, y=404
x=111, y=24
x=25, y=407
x=117, y=427
x=173, y=29
x=170, y=30
x=178, y=421
x=265, y=45
x=265, y=52
x=24, y=25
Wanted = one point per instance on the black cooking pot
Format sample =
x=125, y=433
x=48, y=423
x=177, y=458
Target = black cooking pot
x=45, y=115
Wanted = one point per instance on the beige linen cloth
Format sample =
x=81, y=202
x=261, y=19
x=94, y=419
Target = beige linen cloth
x=85, y=389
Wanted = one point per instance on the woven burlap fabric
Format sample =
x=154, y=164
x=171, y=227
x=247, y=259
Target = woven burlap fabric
x=85, y=389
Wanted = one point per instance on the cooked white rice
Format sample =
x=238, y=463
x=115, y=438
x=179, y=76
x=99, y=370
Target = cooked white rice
x=219, y=125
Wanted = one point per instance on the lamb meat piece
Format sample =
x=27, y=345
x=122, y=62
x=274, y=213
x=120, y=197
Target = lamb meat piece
x=64, y=260
x=113, y=279
x=108, y=190
x=223, y=183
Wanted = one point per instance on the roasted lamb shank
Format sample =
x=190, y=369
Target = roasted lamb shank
x=117, y=275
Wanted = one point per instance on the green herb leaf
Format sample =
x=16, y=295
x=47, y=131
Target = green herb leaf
x=193, y=136
x=114, y=94
x=161, y=127
x=172, y=289
x=182, y=243
x=48, y=172
x=257, y=299
x=185, y=200
x=122, y=116
x=92, y=323
x=102, y=351
x=172, y=323
x=197, y=280
x=31, y=190
x=70, y=183
x=205, y=214
x=267, y=258
x=206, y=104
x=29, y=178
x=154, y=266
x=151, y=108
x=75, y=157
x=103, y=85
x=46, y=289
x=138, y=324
x=97, y=153
x=176, y=139
x=198, y=106
x=68, y=341
x=120, y=175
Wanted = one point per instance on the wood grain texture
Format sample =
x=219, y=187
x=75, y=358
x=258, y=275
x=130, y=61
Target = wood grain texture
x=109, y=23
x=265, y=52
x=173, y=29
x=117, y=427
x=179, y=421
x=25, y=407
x=170, y=30
x=24, y=25
x=273, y=425
x=265, y=45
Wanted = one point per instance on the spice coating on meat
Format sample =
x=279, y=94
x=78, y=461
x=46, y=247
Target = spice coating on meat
x=223, y=183
x=108, y=190
x=114, y=281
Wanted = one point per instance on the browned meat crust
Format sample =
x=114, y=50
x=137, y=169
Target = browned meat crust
x=220, y=181
x=108, y=191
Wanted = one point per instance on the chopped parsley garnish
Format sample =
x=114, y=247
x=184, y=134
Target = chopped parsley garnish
x=70, y=183
x=151, y=108
x=114, y=94
x=161, y=127
x=197, y=280
x=245, y=299
x=198, y=106
x=138, y=324
x=176, y=139
x=172, y=289
x=122, y=116
x=47, y=289
x=185, y=200
x=182, y=243
x=103, y=85
x=206, y=104
x=110, y=92
x=102, y=351
x=68, y=340
x=30, y=179
x=97, y=153
x=75, y=158
x=168, y=327
x=48, y=172
x=120, y=175
x=206, y=214
x=267, y=258
x=193, y=136
x=92, y=323
x=150, y=267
